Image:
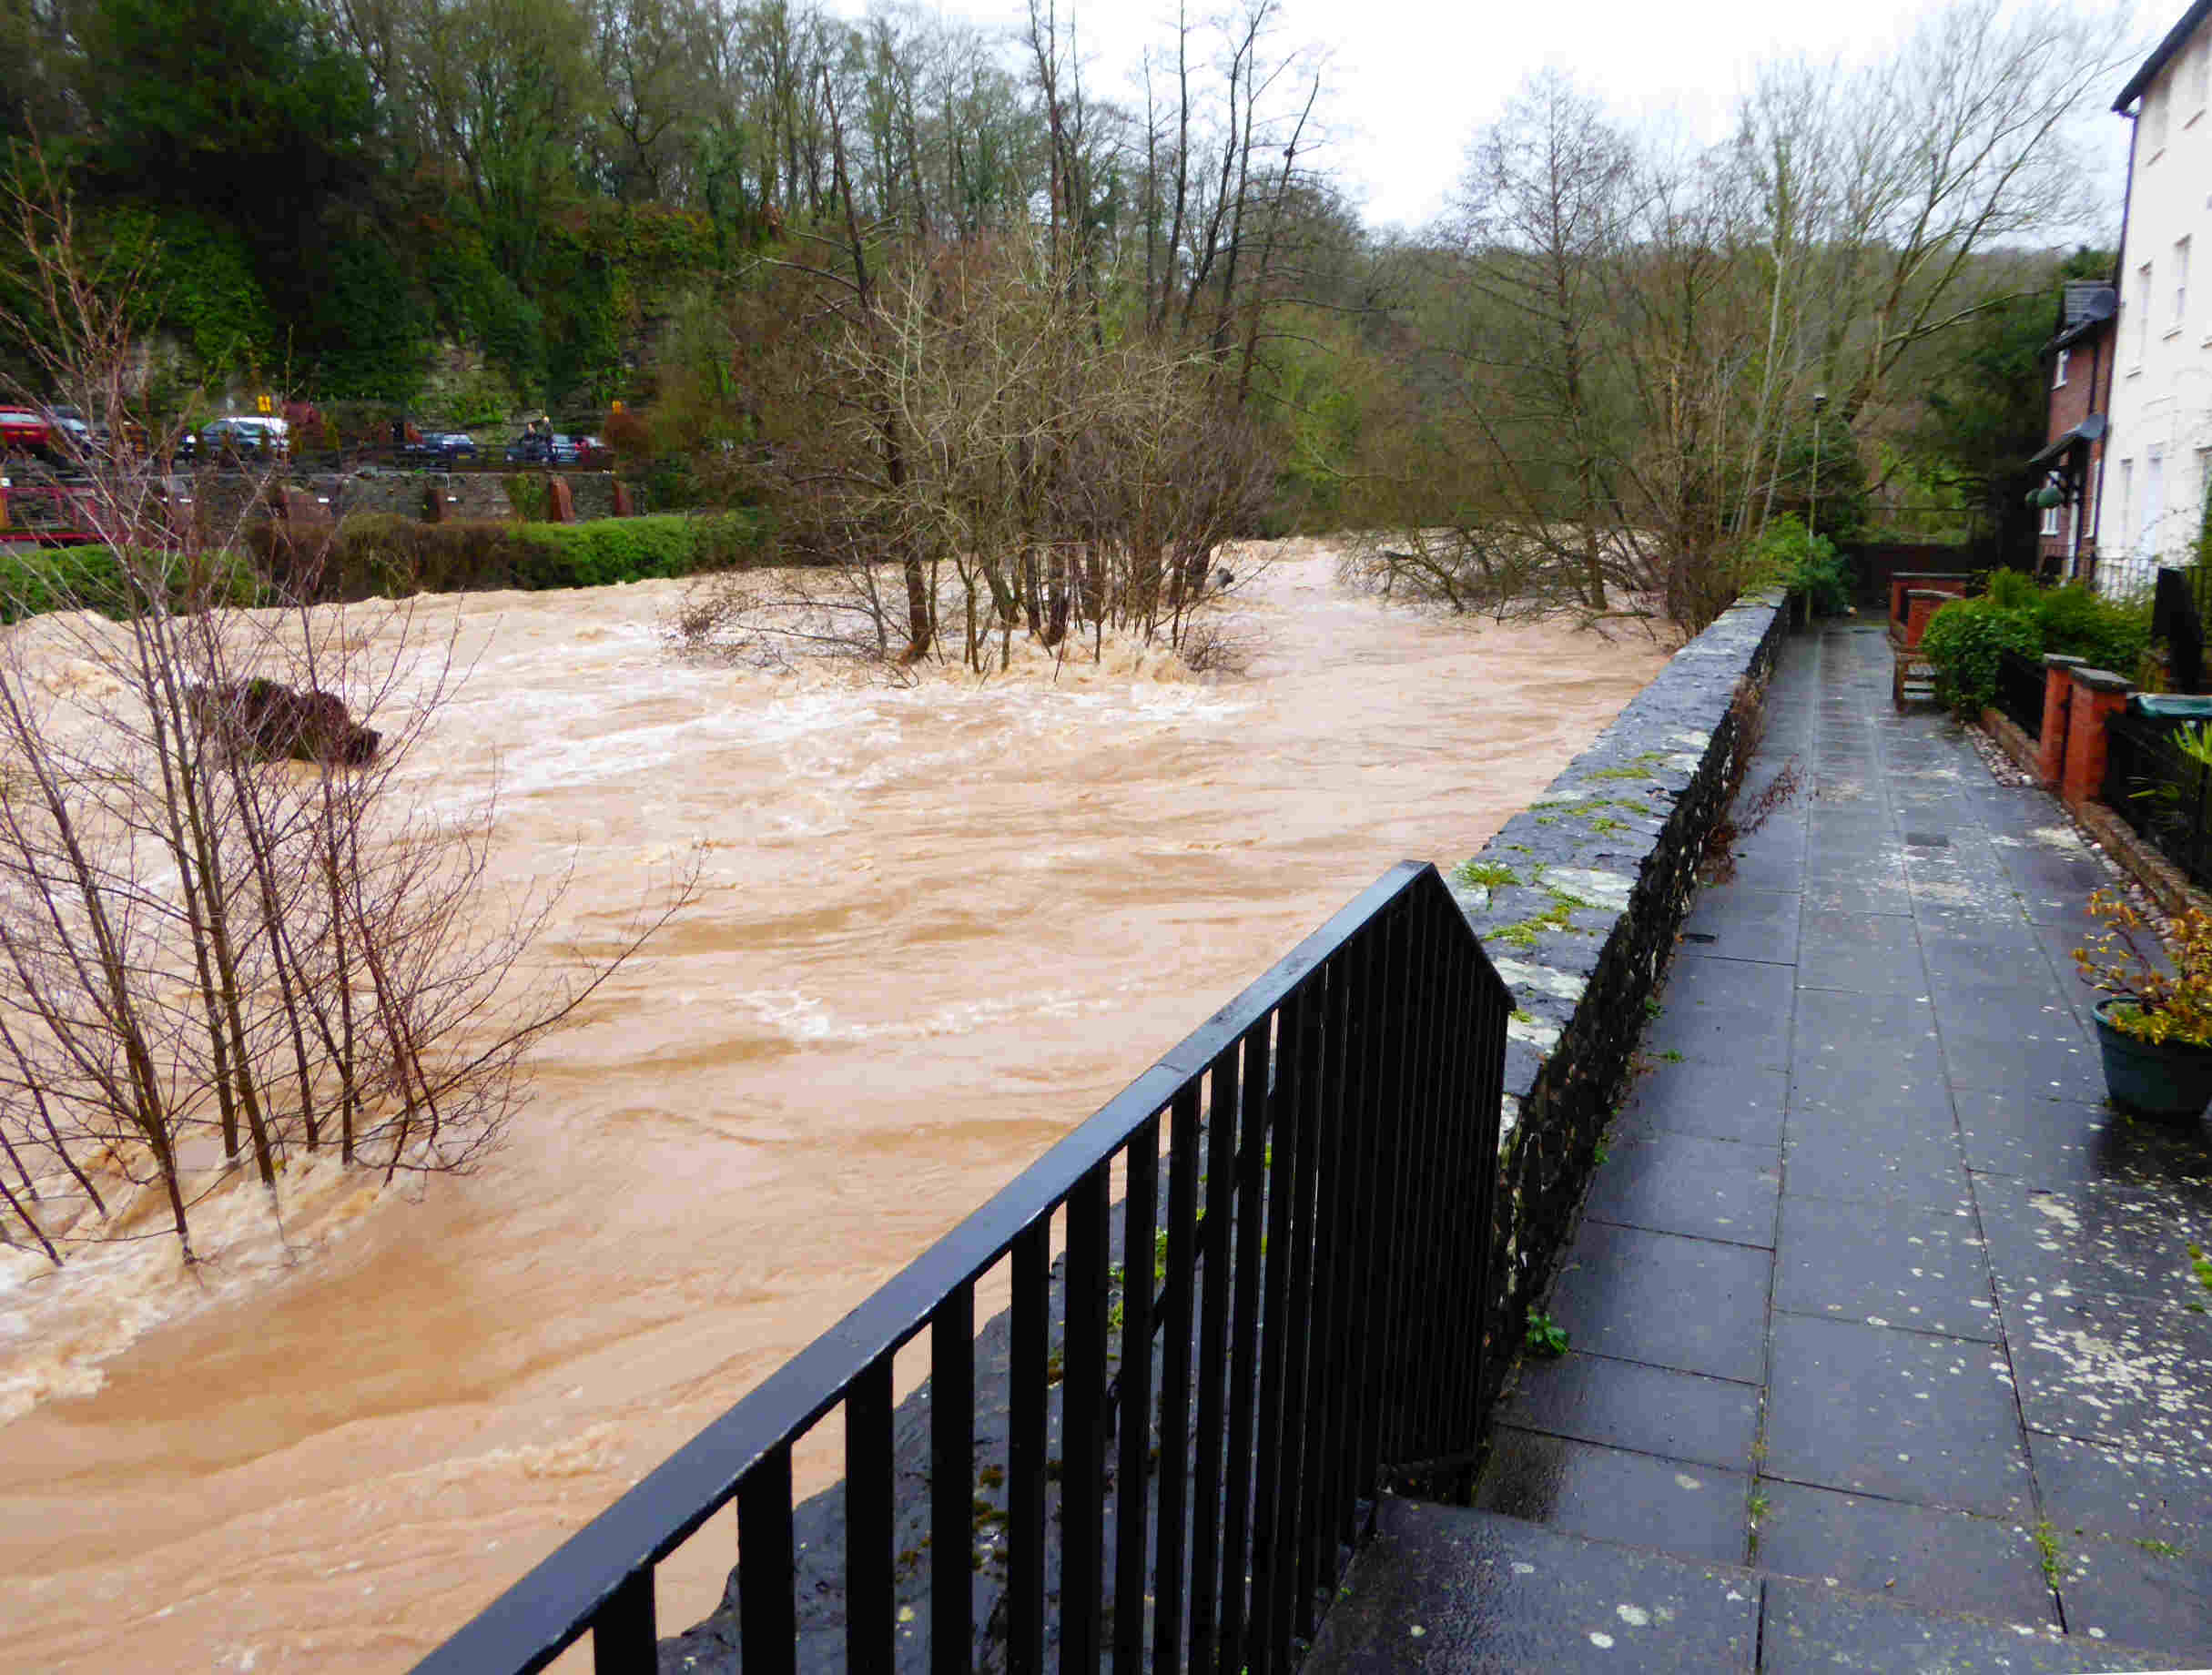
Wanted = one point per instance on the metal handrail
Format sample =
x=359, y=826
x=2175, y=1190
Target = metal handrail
x=1328, y=1323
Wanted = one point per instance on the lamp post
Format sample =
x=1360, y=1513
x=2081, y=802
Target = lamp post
x=1813, y=514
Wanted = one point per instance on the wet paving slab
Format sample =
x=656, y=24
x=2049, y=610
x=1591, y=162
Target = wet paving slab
x=1870, y=1262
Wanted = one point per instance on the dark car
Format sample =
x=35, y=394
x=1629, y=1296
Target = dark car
x=536, y=448
x=441, y=448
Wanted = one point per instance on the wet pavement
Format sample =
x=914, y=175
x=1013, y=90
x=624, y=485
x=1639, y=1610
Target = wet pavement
x=1886, y=1348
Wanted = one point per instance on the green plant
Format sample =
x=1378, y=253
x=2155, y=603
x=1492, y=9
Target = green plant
x=1804, y=564
x=2053, y=1561
x=2165, y=1549
x=1490, y=874
x=1670, y=1056
x=2156, y=1005
x=1545, y=1337
x=1964, y=641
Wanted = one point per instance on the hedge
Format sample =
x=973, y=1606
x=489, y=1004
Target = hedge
x=379, y=554
x=33, y=580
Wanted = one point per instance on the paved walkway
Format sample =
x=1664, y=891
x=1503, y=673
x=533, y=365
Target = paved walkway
x=1874, y=1308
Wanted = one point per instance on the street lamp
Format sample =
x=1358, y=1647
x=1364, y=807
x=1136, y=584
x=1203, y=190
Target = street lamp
x=1813, y=514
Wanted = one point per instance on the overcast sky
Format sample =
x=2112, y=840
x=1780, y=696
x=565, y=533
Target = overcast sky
x=1411, y=79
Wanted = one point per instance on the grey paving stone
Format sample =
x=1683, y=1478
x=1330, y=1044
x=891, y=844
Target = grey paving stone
x=2104, y=1236
x=1693, y=1511
x=1628, y=1405
x=1809, y=1627
x=1738, y=922
x=1870, y=953
x=1620, y=1292
x=1491, y=1593
x=2004, y=966
x=1919, y=1268
x=1719, y=1102
x=2028, y=1004
x=1711, y=1189
x=2096, y=1490
x=1872, y=1160
x=1948, y=1561
x=1725, y=1011
x=2149, y=1598
x=2107, y=1368
x=1872, y=1409
x=2072, y=1142
x=1855, y=893
x=2040, y=1061
x=1878, y=1091
x=1878, y=1040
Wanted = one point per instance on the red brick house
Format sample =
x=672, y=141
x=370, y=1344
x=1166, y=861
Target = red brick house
x=2080, y=355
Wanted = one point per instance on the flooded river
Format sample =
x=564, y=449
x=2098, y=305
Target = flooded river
x=939, y=926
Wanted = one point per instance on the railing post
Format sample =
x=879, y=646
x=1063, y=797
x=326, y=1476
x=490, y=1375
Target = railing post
x=2057, y=706
x=2098, y=694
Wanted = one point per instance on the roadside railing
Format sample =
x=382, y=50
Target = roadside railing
x=2020, y=690
x=2159, y=790
x=1172, y=1471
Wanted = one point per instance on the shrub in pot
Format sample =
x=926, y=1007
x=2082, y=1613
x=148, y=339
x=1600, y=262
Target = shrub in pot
x=2155, y=1029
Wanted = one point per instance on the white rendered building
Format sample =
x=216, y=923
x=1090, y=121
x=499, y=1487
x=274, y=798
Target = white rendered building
x=2158, y=456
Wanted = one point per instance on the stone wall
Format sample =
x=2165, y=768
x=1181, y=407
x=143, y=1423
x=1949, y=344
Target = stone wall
x=225, y=497
x=1577, y=901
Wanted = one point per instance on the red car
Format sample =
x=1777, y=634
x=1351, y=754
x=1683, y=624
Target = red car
x=22, y=432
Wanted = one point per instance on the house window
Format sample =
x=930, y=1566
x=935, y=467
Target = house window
x=2200, y=70
x=2154, y=496
x=2058, y=378
x=2143, y=310
x=2181, y=282
x=2053, y=520
x=2128, y=505
x=2154, y=114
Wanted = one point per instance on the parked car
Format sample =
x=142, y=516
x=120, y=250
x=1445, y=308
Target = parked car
x=439, y=448
x=244, y=434
x=536, y=448
x=594, y=455
x=22, y=432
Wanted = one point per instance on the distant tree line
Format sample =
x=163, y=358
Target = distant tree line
x=770, y=231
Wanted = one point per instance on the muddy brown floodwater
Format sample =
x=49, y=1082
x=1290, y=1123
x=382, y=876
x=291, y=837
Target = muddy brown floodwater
x=940, y=925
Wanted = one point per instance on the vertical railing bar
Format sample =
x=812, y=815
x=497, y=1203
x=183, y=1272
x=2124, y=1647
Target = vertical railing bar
x=1175, y=1381
x=952, y=1472
x=1281, y=1330
x=1027, y=1395
x=1405, y=1258
x=1462, y=1029
x=767, y=1614
x=1493, y=1006
x=623, y=1642
x=1376, y=1213
x=1206, y=1509
x=1325, y=1398
x=1440, y=1304
x=1132, y=1482
x=870, y=1485
x=1362, y=1235
x=1416, y=1297
x=1480, y=1168
x=1244, y=1342
x=1082, y=1396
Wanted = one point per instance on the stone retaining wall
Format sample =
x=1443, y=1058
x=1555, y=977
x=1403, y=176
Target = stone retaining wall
x=1577, y=901
x=225, y=499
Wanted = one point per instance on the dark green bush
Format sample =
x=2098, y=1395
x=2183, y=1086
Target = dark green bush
x=2106, y=633
x=375, y=553
x=1962, y=642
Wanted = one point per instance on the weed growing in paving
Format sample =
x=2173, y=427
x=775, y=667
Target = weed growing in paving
x=1490, y=875
x=1545, y=1336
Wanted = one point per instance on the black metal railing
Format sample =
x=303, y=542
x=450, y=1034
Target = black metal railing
x=1177, y=1468
x=2160, y=790
x=2019, y=685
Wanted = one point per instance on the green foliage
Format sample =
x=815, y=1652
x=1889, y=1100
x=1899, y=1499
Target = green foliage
x=1964, y=641
x=2163, y=1004
x=376, y=554
x=38, y=579
x=1804, y=564
x=2108, y=633
x=1545, y=1336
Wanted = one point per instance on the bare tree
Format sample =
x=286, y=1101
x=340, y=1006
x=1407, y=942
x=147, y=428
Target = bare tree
x=234, y=927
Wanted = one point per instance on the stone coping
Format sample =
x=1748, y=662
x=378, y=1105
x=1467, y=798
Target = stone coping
x=1577, y=901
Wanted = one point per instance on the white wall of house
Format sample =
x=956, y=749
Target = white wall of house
x=2159, y=456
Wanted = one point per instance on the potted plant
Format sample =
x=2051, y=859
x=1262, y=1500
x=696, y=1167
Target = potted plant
x=2155, y=1029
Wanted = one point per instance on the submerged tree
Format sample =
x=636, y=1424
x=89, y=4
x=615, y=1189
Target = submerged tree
x=239, y=923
